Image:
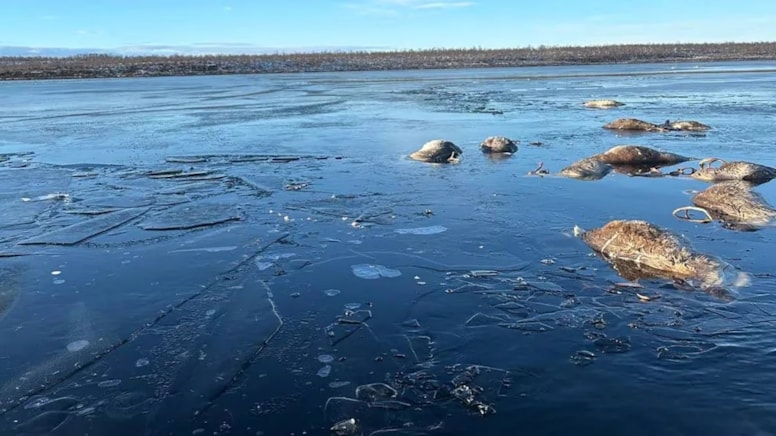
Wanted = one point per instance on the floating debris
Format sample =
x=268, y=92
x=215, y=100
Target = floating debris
x=325, y=358
x=331, y=292
x=139, y=363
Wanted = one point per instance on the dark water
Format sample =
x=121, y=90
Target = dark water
x=254, y=294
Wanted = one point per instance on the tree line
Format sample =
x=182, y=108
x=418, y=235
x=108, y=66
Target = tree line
x=104, y=65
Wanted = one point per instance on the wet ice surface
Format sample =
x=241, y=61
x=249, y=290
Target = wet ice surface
x=199, y=228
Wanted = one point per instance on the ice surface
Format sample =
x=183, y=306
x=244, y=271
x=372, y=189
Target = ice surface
x=210, y=334
x=84, y=230
x=186, y=216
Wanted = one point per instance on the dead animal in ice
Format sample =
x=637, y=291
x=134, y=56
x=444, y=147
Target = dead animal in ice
x=639, y=155
x=498, y=144
x=602, y=104
x=634, y=124
x=691, y=126
x=734, y=203
x=438, y=151
x=734, y=170
x=586, y=169
x=645, y=246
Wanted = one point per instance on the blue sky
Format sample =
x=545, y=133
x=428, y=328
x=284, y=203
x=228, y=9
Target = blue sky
x=300, y=25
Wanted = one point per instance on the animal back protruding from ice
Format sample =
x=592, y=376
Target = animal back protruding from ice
x=438, y=151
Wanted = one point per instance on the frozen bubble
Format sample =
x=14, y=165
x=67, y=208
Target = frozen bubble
x=431, y=230
x=371, y=272
x=353, y=306
x=210, y=312
x=331, y=292
x=324, y=372
x=109, y=383
x=338, y=384
x=56, y=273
x=325, y=358
x=77, y=345
x=141, y=362
x=58, y=281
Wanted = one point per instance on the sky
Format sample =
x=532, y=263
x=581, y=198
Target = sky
x=260, y=26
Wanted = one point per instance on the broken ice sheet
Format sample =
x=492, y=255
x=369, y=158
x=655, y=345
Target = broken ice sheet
x=371, y=271
x=430, y=230
x=346, y=325
x=84, y=230
x=118, y=201
x=190, y=216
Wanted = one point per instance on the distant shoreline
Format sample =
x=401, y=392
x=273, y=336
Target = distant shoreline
x=108, y=66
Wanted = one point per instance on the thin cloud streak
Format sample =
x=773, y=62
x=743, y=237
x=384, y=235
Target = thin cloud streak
x=393, y=8
x=444, y=5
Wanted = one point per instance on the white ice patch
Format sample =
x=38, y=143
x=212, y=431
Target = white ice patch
x=324, y=372
x=431, y=230
x=77, y=345
x=371, y=272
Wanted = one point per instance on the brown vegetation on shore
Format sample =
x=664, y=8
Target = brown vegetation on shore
x=102, y=65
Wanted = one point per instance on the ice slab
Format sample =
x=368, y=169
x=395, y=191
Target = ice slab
x=190, y=216
x=84, y=230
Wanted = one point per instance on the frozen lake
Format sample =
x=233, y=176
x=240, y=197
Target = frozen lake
x=257, y=255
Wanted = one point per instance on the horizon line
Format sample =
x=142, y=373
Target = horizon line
x=228, y=49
